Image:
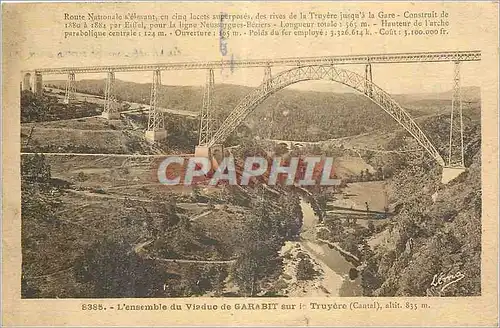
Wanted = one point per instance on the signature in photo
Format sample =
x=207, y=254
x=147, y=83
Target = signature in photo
x=444, y=281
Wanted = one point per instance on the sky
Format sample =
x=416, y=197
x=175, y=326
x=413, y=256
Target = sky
x=42, y=44
x=407, y=78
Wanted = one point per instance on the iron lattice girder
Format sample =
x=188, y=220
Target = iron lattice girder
x=331, y=73
x=206, y=118
x=155, y=119
x=417, y=57
x=109, y=98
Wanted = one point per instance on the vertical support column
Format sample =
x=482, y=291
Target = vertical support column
x=455, y=165
x=266, y=82
x=267, y=77
x=206, y=118
x=110, y=106
x=70, y=88
x=456, y=145
x=368, y=79
x=26, y=82
x=156, y=125
x=271, y=125
x=38, y=84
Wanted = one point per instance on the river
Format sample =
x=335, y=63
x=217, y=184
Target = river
x=335, y=267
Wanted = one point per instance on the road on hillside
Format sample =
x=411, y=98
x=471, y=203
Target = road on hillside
x=135, y=107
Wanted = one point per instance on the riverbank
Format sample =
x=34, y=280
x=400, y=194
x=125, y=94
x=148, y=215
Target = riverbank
x=324, y=283
x=329, y=276
x=350, y=257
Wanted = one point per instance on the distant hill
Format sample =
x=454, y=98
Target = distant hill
x=288, y=114
x=468, y=94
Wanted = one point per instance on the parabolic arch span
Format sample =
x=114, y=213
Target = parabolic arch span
x=328, y=73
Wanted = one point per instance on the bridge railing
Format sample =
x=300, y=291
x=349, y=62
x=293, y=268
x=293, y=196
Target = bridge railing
x=442, y=56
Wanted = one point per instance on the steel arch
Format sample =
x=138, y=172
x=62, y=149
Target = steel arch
x=329, y=73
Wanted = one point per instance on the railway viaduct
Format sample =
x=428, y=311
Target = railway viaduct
x=297, y=69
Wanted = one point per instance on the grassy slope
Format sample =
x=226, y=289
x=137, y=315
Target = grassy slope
x=297, y=115
x=437, y=229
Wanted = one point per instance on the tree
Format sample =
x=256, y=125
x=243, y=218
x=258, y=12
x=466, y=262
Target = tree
x=195, y=193
x=114, y=271
x=219, y=274
x=259, y=257
x=170, y=214
x=336, y=229
x=305, y=270
x=28, y=291
x=35, y=168
x=380, y=173
x=322, y=199
x=32, y=108
x=350, y=244
x=368, y=175
x=245, y=273
x=198, y=279
x=81, y=177
x=289, y=217
x=371, y=226
x=281, y=149
x=370, y=279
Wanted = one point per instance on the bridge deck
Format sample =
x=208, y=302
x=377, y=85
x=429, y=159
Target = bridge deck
x=409, y=57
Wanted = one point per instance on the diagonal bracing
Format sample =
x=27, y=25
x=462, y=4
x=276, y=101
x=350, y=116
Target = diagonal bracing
x=70, y=88
x=456, y=144
x=331, y=73
x=206, y=116
x=155, y=119
x=109, y=97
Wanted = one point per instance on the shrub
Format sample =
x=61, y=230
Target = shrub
x=305, y=270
